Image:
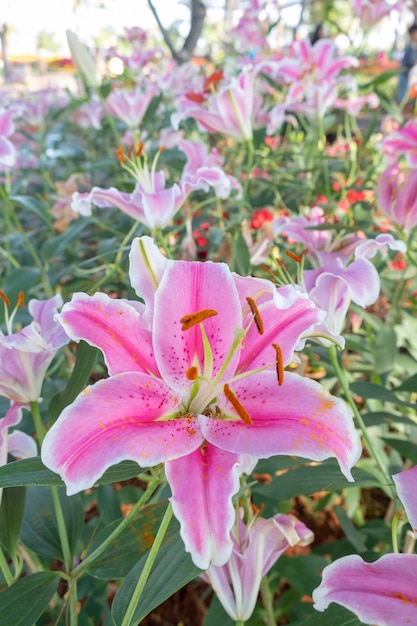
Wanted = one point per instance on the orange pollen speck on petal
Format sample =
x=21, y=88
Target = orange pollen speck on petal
x=4, y=298
x=188, y=321
x=238, y=407
x=256, y=315
x=21, y=299
x=293, y=256
x=280, y=364
x=192, y=373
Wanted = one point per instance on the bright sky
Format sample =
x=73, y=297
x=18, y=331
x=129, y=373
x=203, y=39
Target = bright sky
x=28, y=17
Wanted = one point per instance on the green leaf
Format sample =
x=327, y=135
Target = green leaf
x=407, y=449
x=350, y=531
x=135, y=540
x=376, y=392
x=385, y=350
x=33, y=472
x=56, y=245
x=305, y=479
x=408, y=385
x=11, y=517
x=217, y=615
x=85, y=361
x=240, y=254
x=333, y=615
x=39, y=528
x=25, y=601
x=32, y=204
x=172, y=570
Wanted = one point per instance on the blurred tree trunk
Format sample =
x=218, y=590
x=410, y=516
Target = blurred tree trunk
x=4, y=52
x=198, y=14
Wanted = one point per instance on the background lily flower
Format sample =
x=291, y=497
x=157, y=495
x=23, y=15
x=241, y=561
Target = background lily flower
x=402, y=143
x=8, y=151
x=405, y=483
x=383, y=593
x=228, y=111
x=130, y=105
x=25, y=356
x=256, y=548
x=397, y=195
x=197, y=385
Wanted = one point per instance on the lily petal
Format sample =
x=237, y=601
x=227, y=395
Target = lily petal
x=203, y=482
x=383, y=593
x=114, y=327
x=188, y=288
x=116, y=419
x=405, y=483
x=285, y=422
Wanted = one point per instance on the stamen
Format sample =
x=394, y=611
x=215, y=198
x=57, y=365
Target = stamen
x=239, y=408
x=279, y=363
x=188, y=321
x=293, y=256
x=21, y=299
x=192, y=373
x=195, y=97
x=139, y=149
x=121, y=155
x=4, y=298
x=256, y=315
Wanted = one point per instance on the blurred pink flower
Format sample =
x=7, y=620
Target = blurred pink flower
x=8, y=152
x=25, y=356
x=402, y=143
x=256, y=548
x=397, y=195
x=370, y=12
x=383, y=592
x=130, y=105
x=197, y=385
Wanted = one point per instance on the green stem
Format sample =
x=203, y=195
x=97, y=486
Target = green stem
x=62, y=531
x=5, y=569
x=240, y=622
x=394, y=534
x=82, y=567
x=249, y=164
x=340, y=373
x=267, y=601
x=140, y=585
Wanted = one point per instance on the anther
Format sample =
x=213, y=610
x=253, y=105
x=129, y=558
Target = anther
x=139, y=149
x=20, y=299
x=4, y=298
x=195, y=97
x=256, y=315
x=280, y=364
x=188, y=321
x=120, y=155
x=238, y=407
x=293, y=256
x=192, y=373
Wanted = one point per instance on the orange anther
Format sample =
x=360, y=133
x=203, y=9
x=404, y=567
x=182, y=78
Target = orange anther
x=4, y=298
x=192, y=373
x=256, y=315
x=238, y=407
x=188, y=321
x=280, y=364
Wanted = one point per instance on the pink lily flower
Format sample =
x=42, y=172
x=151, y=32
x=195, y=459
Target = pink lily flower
x=197, y=385
x=256, y=548
x=333, y=287
x=129, y=105
x=17, y=443
x=25, y=356
x=370, y=247
x=370, y=12
x=228, y=111
x=383, y=592
x=397, y=195
x=313, y=73
x=405, y=484
x=402, y=142
x=8, y=153
x=151, y=203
